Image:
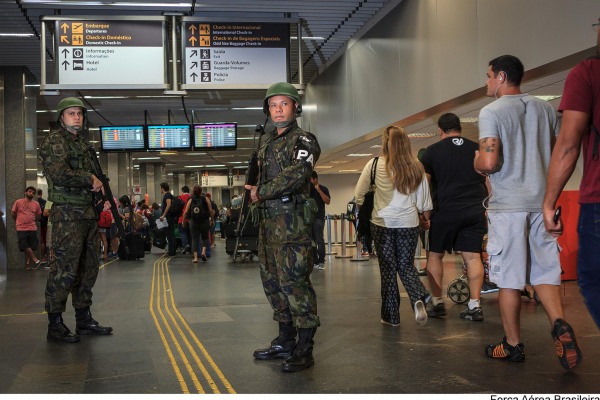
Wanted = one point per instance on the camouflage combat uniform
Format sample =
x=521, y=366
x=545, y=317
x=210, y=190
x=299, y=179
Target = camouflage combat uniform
x=75, y=241
x=285, y=241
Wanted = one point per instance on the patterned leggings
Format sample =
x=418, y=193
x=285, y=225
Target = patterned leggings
x=396, y=252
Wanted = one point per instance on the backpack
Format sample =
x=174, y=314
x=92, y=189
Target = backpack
x=137, y=221
x=176, y=208
x=215, y=209
x=366, y=210
x=105, y=219
x=199, y=209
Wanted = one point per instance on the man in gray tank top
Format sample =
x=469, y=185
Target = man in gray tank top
x=516, y=134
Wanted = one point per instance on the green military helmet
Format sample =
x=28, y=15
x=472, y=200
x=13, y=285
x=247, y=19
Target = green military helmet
x=282, y=89
x=69, y=102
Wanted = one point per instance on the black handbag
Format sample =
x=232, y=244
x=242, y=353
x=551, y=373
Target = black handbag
x=365, y=211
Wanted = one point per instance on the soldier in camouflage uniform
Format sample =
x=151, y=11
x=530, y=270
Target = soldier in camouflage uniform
x=69, y=172
x=286, y=159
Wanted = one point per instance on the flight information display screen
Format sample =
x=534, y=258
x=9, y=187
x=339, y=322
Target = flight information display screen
x=215, y=136
x=169, y=137
x=122, y=138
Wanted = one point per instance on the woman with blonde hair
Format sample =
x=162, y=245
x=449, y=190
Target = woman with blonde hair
x=402, y=202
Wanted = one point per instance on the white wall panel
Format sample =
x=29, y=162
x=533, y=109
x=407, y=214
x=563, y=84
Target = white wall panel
x=425, y=52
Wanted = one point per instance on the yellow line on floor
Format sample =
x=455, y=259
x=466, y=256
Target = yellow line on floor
x=176, y=369
x=186, y=362
x=200, y=346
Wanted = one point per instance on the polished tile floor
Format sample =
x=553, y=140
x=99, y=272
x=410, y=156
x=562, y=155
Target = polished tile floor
x=181, y=327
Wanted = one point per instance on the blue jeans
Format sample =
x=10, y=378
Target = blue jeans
x=184, y=235
x=587, y=258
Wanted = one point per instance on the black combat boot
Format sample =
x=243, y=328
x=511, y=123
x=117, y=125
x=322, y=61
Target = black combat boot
x=281, y=346
x=302, y=357
x=58, y=331
x=86, y=325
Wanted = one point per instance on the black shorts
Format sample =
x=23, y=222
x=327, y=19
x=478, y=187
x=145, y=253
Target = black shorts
x=27, y=239
x=457, y=231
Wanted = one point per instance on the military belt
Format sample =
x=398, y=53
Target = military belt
x=273, y=212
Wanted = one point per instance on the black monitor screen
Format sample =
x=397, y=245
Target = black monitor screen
x=221, y=136
x=169, y=137
x=122, y=138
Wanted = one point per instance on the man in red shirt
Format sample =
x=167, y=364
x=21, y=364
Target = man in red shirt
x=184, y=231
x=580, y=106
x=26, y=212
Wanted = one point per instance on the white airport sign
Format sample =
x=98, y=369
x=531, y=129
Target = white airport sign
x=234, y=53
x=110, y=53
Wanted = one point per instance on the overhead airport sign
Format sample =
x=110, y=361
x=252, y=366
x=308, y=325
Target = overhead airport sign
x=110, y=53
x=230, y=53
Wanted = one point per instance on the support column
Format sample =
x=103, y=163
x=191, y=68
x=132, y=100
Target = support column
x=18, y=154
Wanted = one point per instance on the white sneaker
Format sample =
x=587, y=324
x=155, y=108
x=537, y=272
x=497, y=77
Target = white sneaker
x=420, y=313
x=319, y=266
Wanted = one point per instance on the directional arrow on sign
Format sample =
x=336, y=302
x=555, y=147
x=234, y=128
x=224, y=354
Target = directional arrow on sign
x=66, y=64
x=64, y=39
x=194, y=76
x=193, y=29
x=194, y=64
x=193, y=40
x=65, y=52
x=194, y=53
x=65, y=27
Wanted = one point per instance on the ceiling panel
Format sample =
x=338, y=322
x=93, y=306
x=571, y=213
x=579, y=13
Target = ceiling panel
x=335, y=21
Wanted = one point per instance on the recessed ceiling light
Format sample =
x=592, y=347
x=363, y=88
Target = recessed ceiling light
x=360, y=155
x=16, y=35
x=549, y=98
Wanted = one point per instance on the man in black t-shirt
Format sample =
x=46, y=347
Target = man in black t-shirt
x=458, y=223
x=321, y=195
x=172, y=221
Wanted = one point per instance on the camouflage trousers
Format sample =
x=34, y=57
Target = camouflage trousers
x=76, y=246
x=285, y=250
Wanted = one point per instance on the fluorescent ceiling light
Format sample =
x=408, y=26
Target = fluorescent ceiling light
x=359, y=154
x=193, y=166
x=375, y=146
x=549, y=98
x=107, y=3
x=323, y=166
x=147, y=158
x=421, y=135
x=348, y=170
x=17, y=35
x=469, y=119
x=308, y=38
x=246, y=108
x=31, y=169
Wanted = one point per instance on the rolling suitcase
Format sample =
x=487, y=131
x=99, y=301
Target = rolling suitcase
x=135, y=243
x=160, y=238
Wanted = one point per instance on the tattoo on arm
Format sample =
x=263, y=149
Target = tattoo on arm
x=488, y=145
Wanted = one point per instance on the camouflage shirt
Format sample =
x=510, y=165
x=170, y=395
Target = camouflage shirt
x=285, y=163
x=68, y=169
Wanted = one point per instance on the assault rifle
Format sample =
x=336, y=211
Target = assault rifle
x=251, y=179
x=106, y=195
